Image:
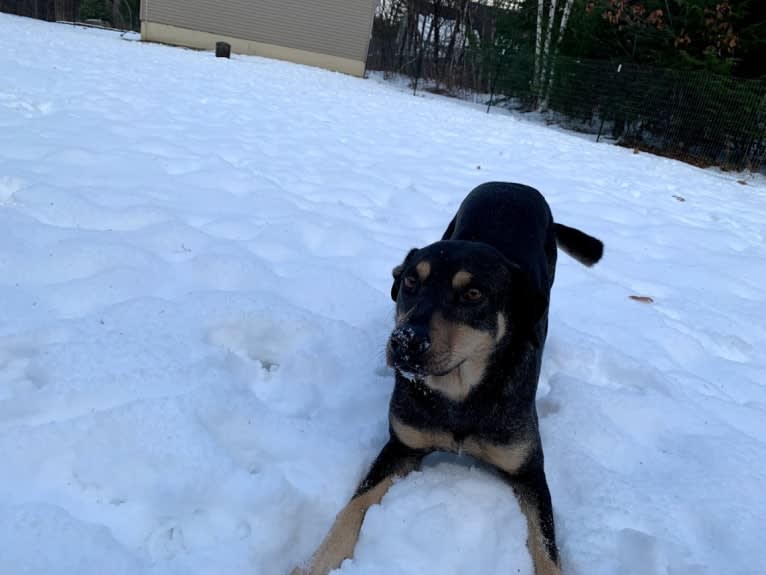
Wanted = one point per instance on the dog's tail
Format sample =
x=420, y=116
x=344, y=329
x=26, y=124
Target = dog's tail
x=584, y=248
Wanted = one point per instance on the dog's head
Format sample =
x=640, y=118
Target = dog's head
x=456, y=302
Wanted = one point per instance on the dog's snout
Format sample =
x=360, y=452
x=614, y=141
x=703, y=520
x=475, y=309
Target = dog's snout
x=407, y=345
x=410, y=339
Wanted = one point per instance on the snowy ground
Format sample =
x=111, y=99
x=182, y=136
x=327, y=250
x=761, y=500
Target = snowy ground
x=194, y=275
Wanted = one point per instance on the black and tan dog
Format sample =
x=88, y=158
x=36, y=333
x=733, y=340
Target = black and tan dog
x=471, y=322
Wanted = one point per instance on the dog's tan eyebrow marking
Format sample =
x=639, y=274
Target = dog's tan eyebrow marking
x=461, y=279
x=424, y=270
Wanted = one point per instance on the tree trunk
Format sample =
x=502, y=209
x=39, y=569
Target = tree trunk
x=545, y=60
x=411, y=34
x=449, y=57
x=538, y=45
x=564, y=20
x=424, y=41
x=403, y=44
x=115, y=15
x=466, y=27
x=562, y=30
x=437, y=38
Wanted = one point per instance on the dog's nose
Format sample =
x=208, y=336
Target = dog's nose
x=408, y=343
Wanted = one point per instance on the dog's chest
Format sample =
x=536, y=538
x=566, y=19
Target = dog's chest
x=509, y=457
x=460, y=426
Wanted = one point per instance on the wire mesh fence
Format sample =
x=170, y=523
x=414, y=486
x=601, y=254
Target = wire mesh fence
x=122, y=14
x=697, y=117
x=52, y=10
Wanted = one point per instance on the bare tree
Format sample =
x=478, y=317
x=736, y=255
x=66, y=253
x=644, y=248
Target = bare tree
x=544, y=60
x=448, y=42
x=551, y=76
x=547, y=43
x=539, y=42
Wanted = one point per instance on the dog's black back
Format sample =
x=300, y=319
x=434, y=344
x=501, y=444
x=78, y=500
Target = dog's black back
x=515, y=220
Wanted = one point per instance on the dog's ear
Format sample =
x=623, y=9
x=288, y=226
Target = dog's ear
x=397, y=273
x=527, y=304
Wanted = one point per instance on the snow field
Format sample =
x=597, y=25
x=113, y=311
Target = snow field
x=194, y=268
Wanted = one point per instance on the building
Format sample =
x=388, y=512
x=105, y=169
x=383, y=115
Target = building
x=333, y=34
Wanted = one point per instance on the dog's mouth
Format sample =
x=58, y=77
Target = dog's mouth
x=414, y=355
x=420, y=372
x=410, y=375
x=412, y=370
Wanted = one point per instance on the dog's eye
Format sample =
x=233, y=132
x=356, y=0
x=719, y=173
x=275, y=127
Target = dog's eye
x=472, y=295
x=410, y=282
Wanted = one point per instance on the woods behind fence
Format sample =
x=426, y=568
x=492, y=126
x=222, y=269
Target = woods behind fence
x=123, y=14
x=616, y=68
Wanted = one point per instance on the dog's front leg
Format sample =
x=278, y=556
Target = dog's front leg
x=395, y=459
x=531, y=488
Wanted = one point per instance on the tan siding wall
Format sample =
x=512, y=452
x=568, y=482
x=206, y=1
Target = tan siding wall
x=154, y=32
x=335, y=27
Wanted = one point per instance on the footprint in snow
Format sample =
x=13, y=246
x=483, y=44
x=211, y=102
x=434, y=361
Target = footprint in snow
x=258, y=340
x=198, y=529
x=547, y=406
x=18, y=372
x=642, y=554
x=166, y=541
x=639, y=553
x=8, y=187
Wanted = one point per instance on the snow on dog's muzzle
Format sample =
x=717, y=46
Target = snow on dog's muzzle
x=407, y=348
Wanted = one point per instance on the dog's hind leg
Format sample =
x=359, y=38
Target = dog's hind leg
x=531, y=488
x=394, y=460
